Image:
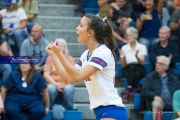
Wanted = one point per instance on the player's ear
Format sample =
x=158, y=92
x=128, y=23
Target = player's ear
x=90, y=33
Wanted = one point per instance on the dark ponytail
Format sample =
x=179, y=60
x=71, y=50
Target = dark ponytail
x=102, y=32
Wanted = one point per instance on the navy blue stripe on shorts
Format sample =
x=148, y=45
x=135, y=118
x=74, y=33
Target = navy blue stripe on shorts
x=110, y=111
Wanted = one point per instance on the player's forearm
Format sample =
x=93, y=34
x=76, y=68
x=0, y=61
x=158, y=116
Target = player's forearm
x=61, y=71
x=71, y=70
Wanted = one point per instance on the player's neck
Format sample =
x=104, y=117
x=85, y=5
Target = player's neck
x=92, y=46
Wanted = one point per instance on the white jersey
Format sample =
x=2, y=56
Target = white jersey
x=13, y=17
x=100, y=85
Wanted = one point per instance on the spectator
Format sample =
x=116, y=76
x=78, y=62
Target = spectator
x=81, y=7
x=34, y=46
x=132, y=58
x=166, y=48
x=176, y=105
x=55, y=85
x=175, y=26
x=14, y=24
x=5, y=69
x=159, y=87
x=138, y=6
x=121, y=12
x=31, y=8
x=148, y=23
x=22, y=91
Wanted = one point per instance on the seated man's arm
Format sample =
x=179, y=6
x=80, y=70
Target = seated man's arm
x=175, y=20
x=24, y=49
x=146, y=89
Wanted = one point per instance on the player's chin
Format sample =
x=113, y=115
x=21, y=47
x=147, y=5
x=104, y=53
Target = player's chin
x=80, y=41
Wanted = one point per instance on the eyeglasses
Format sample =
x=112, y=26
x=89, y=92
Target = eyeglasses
x=158, y=63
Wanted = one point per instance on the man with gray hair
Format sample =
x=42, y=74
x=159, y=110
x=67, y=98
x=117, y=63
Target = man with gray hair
x=166, y=48
x=159, y=87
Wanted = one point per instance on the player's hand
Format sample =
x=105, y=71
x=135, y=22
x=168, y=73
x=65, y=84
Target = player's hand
x=56, y=47
x=48, y=49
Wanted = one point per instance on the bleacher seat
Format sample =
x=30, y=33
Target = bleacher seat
x=72, y=115
x=91, y=10
x=91, y=7
x=148, y=67
x=132, y=24
x=178, y=67
x=118, y=69
x=137, y=96
x=137, y=100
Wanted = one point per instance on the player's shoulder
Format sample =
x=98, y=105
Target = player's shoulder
x=103, y=49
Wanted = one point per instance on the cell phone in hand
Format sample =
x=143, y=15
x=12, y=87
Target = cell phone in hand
x=148, y=17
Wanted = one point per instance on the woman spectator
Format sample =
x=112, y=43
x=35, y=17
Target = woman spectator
x=148, y=23
x=132, y=57
x=14, y=24
x=22, y=92
x=55, y=85
x=31, y=8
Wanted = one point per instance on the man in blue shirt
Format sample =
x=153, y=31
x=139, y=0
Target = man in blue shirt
x=166, y=48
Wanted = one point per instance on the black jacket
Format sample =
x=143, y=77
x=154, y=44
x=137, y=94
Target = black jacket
x=152, y=88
